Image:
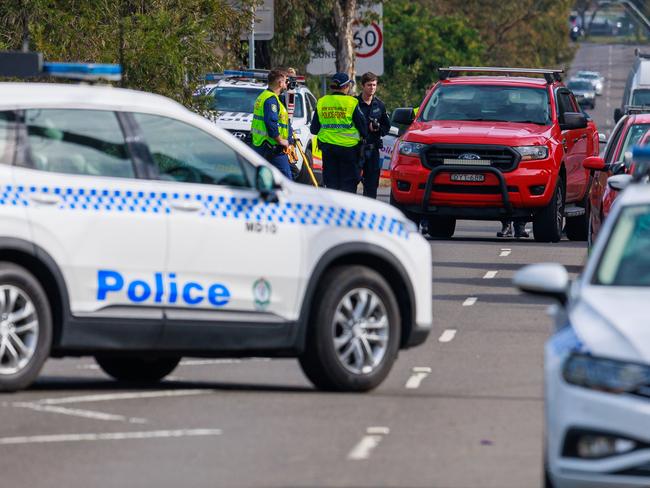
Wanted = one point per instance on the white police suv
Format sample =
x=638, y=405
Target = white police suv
x=597, y=364
x=138, y=232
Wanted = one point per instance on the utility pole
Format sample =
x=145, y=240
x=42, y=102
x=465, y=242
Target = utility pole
x=251, y=41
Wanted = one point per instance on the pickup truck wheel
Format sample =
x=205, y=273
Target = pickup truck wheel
x=577, y=228
x=547, y=223
x=25, y=327
x=441, y=227
x=354, y=334
x=132, y=368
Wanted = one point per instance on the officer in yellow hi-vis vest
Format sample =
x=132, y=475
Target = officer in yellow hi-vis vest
x=271, y=129
x=341, y=129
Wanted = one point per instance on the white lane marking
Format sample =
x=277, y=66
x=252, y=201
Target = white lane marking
x=75, y=412
x=447, y=335
x=203, y=362
x=367, y=443
x=489, y=275
x=419, y=373
x=87, y=366
x=122, y=396
x=111, y=436
x=505, y=251
x=469, y=301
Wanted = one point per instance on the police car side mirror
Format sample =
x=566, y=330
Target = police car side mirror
x=573, y=120
x=265, y=184
x=619, y=182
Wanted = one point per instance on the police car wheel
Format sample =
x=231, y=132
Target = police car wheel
x=132, y=368
x=354, y=332
x=25, y=327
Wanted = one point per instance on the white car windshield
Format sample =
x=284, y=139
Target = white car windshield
x=231, y=99
x=488, y=103
x=626, y=259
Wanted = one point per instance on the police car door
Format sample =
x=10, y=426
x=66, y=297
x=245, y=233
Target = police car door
x=232, y=257
x=90, y=212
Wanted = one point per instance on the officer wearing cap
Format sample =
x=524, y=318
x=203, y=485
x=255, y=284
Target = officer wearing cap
x=271, y=129
x=374, y=111
x=341, y=128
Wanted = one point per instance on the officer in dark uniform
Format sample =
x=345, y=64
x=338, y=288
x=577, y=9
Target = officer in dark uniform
x=341, y=129
x=378, y=126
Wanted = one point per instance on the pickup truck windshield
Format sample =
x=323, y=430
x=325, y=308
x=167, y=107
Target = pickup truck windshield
x=488, y=103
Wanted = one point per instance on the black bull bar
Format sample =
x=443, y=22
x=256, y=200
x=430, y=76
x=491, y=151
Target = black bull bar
x=428, y=189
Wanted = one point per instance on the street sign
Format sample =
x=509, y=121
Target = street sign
x=264, y=23
x=369, y=49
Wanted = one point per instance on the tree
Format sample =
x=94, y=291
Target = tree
x=167, y=45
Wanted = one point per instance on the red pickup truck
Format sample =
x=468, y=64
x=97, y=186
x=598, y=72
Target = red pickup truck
x=509, y=146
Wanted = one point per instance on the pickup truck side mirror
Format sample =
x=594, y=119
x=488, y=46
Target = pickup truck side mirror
x=595, y=163
x=404, y=116
x=618, y=113
x=573, y=120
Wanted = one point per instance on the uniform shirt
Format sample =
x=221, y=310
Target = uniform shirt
x=375, y=110
x=271, y=111
x=358, y=120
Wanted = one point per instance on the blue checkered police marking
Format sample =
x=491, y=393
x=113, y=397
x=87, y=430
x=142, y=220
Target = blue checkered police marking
x=220, y=207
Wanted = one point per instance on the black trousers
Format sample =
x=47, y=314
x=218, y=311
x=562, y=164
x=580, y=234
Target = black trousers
x=371, y=171
x=341, y=168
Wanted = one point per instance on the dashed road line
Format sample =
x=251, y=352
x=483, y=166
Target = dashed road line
x=75, y=412
x=368, y=442
x=447, y=335
x=111, y=436
x=469, y=301
x=419, y=373
x=505, y=251
x=489, y=275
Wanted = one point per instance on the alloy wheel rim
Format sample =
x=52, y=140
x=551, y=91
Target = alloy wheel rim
x=18, y=329
x=560, y=211
x=360, y=331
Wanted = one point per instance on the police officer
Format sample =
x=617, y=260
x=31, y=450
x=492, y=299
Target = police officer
x=378, y=126
x=341, y=128
x=271, y=129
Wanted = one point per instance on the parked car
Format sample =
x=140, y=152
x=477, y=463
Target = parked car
x=628, y=132
x=495, y=148
x=597, y=362
x=637, y=87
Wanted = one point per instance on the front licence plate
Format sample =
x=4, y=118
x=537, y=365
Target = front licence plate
x=468, y=177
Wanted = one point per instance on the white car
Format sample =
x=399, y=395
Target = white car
x=595, y=78
x=234, y=93
x=138, y=232
x=597, y=364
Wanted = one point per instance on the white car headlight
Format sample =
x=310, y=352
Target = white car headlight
x=410, y=148
x=604, y=374
x=529, y=153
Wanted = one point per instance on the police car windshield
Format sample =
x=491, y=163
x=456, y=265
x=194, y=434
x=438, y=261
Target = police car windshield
x=231, y=99
x=641, y=97
x=626, y=259
x=488, y=103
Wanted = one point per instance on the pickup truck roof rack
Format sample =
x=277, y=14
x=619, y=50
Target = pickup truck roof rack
x=551, y=75
x=636, y=109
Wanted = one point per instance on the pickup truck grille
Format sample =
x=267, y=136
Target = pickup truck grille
x=503, y=158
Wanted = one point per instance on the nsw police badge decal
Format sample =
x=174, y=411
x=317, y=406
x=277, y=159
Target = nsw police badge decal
x=262, y=294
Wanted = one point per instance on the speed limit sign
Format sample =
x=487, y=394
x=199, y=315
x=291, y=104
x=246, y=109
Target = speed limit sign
x=368, y=47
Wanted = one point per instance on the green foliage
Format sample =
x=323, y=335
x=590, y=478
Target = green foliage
x=165, y=46
x=417, y=42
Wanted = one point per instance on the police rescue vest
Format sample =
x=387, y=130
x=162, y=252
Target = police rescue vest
x=335, y=116
x=258, y=127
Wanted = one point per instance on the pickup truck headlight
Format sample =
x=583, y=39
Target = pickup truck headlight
x=529, y=153
x=606, y=375
x=410, y=148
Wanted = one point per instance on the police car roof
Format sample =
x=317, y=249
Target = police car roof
x=53, y=95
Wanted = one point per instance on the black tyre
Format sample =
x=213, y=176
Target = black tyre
x=140, y=369
x=354, y=333
x=410, y=215
x=577, y=228
x=547, y=223
x=441, y=227
x=25, y=327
